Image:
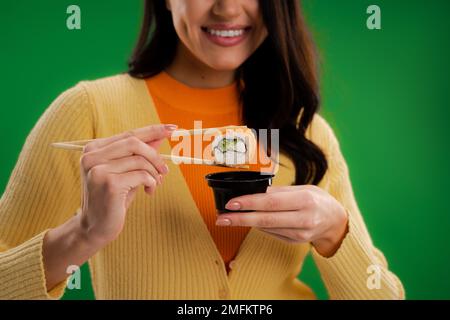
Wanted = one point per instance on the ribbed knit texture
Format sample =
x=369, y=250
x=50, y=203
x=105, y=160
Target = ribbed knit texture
x=183, y=105
x=165, y=250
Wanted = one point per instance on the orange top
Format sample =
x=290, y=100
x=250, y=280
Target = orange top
x=180, y=104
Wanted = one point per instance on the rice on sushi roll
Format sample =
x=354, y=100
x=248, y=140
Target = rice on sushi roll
x=235, y=147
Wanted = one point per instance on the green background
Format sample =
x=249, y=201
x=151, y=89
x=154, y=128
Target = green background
x=384, y=92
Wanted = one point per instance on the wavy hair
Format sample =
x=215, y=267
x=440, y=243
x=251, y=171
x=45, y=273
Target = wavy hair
x=278, y=83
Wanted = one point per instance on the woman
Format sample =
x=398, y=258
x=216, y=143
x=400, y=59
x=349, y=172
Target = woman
x=219, y=61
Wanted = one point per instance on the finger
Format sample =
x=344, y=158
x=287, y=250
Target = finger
x=274, y=201
x=124, y=148
x=155, y=144
x=288, y=219
x=132, y=163
x=134, y=179
x=146, y=134
x=285, y=188
x=296, y=235
x=154, y=132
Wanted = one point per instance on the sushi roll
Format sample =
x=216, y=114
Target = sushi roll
x=234, y=147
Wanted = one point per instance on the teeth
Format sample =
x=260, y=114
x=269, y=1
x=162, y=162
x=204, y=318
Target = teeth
x=226, y=33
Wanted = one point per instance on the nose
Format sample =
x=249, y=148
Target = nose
x=227, y=8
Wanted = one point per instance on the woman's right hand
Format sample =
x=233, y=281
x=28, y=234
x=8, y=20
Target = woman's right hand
x=112, y=169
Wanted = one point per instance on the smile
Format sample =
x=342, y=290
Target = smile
x=226, y=37
x=226, y=33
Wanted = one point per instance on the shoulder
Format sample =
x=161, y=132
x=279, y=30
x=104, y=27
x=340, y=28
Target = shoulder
x=115, y=86
x=322, y=134
x=114, y=98
x=94, y=100
x=85, y=91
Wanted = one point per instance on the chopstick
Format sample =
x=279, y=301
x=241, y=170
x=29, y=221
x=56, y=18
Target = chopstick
x=79, y=145
x=176, y=133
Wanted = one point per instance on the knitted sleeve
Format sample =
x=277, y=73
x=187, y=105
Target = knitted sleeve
x=357, y=270
x=43, y=191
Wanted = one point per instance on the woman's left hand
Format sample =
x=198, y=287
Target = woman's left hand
x=296, y=214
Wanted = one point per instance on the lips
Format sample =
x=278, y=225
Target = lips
x=226, y=35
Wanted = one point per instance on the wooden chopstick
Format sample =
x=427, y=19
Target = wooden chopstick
x=79, y=145
x=177, y=133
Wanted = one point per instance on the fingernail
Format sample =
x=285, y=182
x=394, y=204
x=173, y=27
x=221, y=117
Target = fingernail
x=223, y=222
x=170, y=127
x=233, y=206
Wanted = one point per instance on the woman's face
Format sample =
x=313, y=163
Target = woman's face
x=220, y=33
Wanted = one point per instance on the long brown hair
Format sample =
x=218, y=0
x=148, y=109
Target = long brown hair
x=280, y=79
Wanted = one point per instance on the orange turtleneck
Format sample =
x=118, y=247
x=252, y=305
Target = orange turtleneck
x=180, y=104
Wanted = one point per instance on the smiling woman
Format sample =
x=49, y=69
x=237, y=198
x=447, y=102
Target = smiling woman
x=205, y=33
x=239, y=62
x=276, y=62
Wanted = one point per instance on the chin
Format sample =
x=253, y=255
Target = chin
x=225, y=64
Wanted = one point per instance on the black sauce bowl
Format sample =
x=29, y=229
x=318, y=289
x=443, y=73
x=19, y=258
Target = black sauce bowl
x=228, y=185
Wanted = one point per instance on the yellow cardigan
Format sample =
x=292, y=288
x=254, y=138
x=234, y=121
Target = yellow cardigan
x=165, y=250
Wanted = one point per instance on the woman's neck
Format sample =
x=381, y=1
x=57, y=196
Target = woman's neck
x=187, y=69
